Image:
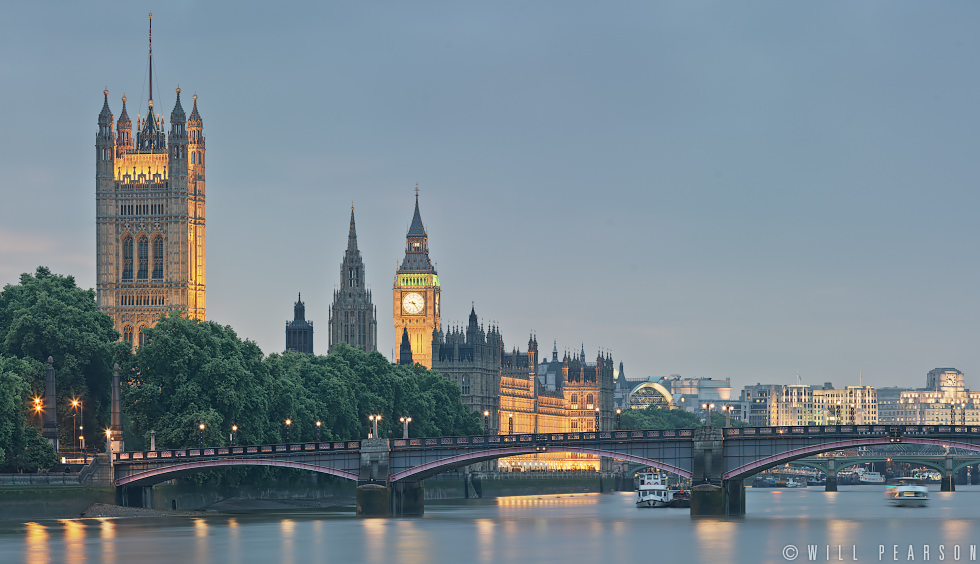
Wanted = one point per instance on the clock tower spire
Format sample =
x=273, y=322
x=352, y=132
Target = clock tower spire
x=416, y=293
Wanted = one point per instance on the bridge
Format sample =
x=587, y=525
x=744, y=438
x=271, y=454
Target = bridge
x=389, y=473
x=947, y=464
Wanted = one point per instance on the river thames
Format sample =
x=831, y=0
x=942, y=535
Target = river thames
x=805, y=525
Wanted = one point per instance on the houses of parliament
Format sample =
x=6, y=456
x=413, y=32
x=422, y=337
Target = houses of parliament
x=150, y=260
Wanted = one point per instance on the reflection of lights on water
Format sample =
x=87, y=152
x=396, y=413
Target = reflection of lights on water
x=485, y=540
x=287, y=530
x=74, y=541
x=538, y=500
x=201, y=547
x=374, y=540
x=107, y=534
x=38, y=551
x=413, y=542
x=841, y=531
x=715, y=538
x=200, y=528
x=955, y=530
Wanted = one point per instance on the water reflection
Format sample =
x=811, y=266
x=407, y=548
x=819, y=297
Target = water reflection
x=36, y=547
x=107, y=532
x=74, y=541
x=715, y=539
x=374, y=540
x=486, y=540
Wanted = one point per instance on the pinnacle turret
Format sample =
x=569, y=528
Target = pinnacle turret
x=352, y=234
x=105, y=116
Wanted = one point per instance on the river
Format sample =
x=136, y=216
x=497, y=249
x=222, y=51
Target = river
x=805, y=525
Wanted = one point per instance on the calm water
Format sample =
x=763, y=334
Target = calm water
x=539, y=529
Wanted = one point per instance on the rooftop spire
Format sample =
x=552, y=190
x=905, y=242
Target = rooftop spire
x=352, y=234
x=151, y=59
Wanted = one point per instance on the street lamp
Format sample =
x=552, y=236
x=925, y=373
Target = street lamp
x=708, y=407
x=374, y=424
x=405, y=421
x=108, y=442
x=619, y=415
x=289, y=424
x=74, y=423
x=486, y=422
x=200, y=428
x=728, y=409
x=597, y=420
x=510, y=423
x=318, y=424
x=234, y=434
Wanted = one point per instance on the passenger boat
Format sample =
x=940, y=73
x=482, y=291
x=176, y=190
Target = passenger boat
x=651, y=490
x=871, y=478
x=906, y=492
x=795, y=483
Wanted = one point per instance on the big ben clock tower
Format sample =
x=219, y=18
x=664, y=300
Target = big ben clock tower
x=416, y=293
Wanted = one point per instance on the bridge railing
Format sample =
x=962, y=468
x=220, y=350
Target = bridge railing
x=851, y=430
x=541, y=438
x=245, y=450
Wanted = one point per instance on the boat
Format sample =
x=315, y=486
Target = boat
x=871, y=478
x=651, y=490
x=794, y=483
x=681, y=498
x=907, y=492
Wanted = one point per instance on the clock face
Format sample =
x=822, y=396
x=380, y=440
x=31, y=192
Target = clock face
x=412, y=303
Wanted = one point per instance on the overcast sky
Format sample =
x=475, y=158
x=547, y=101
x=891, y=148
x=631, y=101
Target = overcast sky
x=711, y=189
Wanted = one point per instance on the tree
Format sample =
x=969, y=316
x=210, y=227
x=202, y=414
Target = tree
x=14, y=395
x=658, y=418
x=48, y=315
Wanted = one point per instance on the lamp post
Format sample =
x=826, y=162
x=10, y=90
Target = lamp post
x=486, y=422
x=405, y=421
x=74, y=423
x=289, y=424
x=597, y=420
x=201, y=429
x=153, y=439
x=374, y=425
x=234, y=435
x=708, y=407
x=510, y=423
x=728, y=414
x=318, y=425
x=619, y=416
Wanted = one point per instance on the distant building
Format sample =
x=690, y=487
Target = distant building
x=353, y=317
x=778, y=405
x=416, y=293
x=944, y=401
x=299, y=331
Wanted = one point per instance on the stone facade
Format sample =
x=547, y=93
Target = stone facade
x=299, y=331
x=150, y=237
x=353, y=317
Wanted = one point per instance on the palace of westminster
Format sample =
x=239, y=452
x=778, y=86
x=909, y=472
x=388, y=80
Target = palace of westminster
x=150, y=260
x=150, y=235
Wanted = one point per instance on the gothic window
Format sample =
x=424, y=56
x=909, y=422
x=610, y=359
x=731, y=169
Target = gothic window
x=143, y=251
x=574, y=401
x=127, y=258
x=350, y=277
x=128, y=334
x=466, y=386
x=588, y=402
x=158, y=257
x=142, y=336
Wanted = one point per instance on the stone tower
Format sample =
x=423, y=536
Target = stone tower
x=416, y=293
x=149, y=216
x=299, y=331
x=353, y=318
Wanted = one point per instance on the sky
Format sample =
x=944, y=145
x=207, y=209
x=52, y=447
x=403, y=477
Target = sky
x=744, y=190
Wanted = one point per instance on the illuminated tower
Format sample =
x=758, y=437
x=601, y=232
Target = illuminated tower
x=149, y=197
x=416, y=293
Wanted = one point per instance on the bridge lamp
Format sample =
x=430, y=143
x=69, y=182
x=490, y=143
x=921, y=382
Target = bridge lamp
x=405, y=421
x=510, y=423
x=234, y=434
x=597, y=420
x=374, y=424
x=318, y=425
x=486, y=422
x=108, y=442
x=289, y=424
x=200, y=428
x=619, y=415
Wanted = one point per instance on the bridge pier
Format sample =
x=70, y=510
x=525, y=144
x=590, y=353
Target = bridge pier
x=709, y=500
x=135, y=496
x=373, y=496
x=831, y=483
x=407, y=498
x=948, y=484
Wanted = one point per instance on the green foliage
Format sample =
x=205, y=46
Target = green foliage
x=48, y=315
x=37, y=453
x=14, y=395
x=191, y=372
x=659, y=418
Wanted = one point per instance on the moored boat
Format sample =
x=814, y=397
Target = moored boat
x=871, y=478
x=651, y=490
x=681, y=498
x=795, y=483
x=906, y=492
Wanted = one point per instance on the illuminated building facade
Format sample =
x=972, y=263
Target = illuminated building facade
x=416, y=293
x=944, y=401
x=778, y=405
x=149, y=192
x=506, y=386
x=353, y=318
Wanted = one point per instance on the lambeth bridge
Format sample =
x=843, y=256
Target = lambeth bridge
x=389, y=472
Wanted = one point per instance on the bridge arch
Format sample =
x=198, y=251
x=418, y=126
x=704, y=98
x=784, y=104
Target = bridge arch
x=746, y=470
x=164, y=473
x=429, y=469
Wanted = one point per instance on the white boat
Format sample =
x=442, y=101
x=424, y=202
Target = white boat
x=906, y=492
x=871, y=478
x=651, y=490
x=795, y=483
